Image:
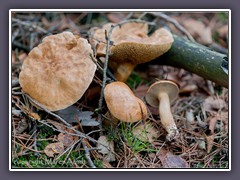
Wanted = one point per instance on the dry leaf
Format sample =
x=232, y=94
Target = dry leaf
x=116, y=17
x=210, y=138
x=211, y=104
x=223, y=117
x=72, y=114
x=106, y=148
x=141, y=91
x=212, y=122
x=54, y=148
x=162, y=153
x=190, y=120
x=22, y=56
x=210, y=142
x=173, y=161
x=146, y=132
x=66, y=139
x=201, y=144
x=170, y=160
x=198, y=30
x=223, y=31
x=188, y=88
x=153, y=110
x=13, y=57
x=22, y=126
x=56, y=124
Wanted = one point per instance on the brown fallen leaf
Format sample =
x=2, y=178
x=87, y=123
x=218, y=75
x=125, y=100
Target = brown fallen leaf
x=198, y=30
x=22, y=56
x=212, y=121
x=223, y=31
x=116, y=17
x=13, y=57
x=22, y=126
x=211, y=104
x=106, y=148
x=224, y=118
x=162, y=153
x=141, y=91
x=189, y=88
x=190, y=120
x=210, y=138
x=56, y=124
x=173, y=161
x=54, y=148
x=170, y=160
x=66, y=139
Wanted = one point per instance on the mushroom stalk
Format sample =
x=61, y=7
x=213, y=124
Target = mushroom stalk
x=123, y=71
x=166, y=116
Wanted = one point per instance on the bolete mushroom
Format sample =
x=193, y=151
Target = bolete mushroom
x=123, y=104
x=58, y=71
x=161, y=94
x=131, y=46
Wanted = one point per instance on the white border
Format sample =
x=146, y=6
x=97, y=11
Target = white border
x=107, y=10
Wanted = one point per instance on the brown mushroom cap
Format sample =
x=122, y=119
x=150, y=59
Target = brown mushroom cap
x=157, y=88
x=58, y=71
x=132, y=44
x=123, y=104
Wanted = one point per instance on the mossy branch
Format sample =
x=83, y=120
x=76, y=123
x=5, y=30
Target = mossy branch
x=197, y=59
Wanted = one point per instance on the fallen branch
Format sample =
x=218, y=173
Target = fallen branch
x=197, y=59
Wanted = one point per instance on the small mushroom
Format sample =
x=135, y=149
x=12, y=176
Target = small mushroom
x=123, y=104
x=161, y=94
x=131, y=46
x=58, y=71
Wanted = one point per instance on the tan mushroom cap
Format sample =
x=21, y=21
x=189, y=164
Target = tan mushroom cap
x=163, y=86
x=58, y=71
x=132, y=44
x=123, y=104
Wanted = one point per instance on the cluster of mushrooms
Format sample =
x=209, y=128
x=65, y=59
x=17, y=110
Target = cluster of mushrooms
x=58, y=71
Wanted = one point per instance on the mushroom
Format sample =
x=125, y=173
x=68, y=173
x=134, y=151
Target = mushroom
x=161, y=94
x=58, y=71
x=131, y=46
x=123, y=104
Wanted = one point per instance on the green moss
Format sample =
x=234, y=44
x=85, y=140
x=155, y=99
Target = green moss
x=98, y=163
x=223, y=16
x=134, y=80
x=134, y=143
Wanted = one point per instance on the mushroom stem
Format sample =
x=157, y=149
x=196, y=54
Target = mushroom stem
x=166, y=116
x=123, y=71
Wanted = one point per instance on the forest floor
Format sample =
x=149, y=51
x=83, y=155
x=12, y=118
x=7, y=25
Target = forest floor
x=41, y=140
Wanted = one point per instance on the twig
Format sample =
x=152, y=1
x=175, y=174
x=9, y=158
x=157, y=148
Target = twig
x=53, y=114
x=21, y=46
x=40, y=29
x=79, y=134
x=15, y=82
x=108, y=41
x=69, y=126
x=129, y=15
x=218, y=48
x=174, y=22
x=87, y=155
x=36, y=153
